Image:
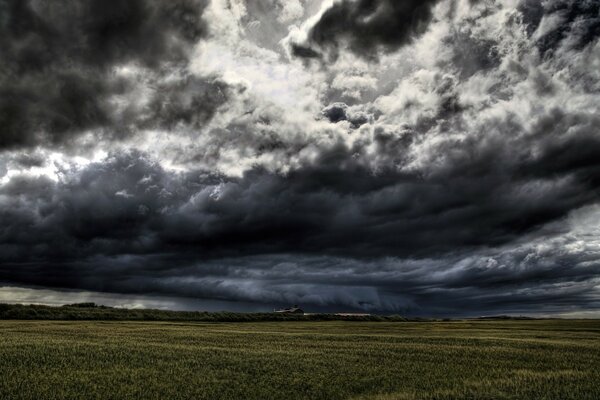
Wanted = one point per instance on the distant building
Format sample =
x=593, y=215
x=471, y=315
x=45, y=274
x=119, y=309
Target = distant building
x=292, y=310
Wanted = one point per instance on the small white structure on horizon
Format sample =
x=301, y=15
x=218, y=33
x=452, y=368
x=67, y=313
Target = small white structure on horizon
x=292, y=310
x=347, y=314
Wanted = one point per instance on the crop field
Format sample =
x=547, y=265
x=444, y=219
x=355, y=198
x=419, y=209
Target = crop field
x=539, y=359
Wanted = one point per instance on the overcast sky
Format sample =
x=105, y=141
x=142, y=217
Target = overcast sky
x=419, y=157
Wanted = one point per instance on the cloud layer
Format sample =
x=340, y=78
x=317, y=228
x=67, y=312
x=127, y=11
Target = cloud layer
x=60, y=60
x=437, y=158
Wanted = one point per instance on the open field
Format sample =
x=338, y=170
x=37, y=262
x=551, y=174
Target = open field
x=538, y=359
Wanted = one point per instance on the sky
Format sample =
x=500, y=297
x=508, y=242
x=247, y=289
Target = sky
x=413, y=157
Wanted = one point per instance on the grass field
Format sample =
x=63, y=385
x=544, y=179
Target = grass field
x=300, y=360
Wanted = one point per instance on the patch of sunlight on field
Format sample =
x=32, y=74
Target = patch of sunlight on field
x=538, y=359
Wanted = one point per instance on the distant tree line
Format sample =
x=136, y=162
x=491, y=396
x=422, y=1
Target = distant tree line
x=91, y=311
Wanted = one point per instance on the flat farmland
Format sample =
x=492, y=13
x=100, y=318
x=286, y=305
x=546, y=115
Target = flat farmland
x=534, y=359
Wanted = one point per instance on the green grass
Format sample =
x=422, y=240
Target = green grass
x=538, y=359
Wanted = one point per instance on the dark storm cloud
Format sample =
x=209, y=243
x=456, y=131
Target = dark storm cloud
x=525, y=279
x=575, y=23
x=57, y=61
x=367, y=26
x=337, y=112
x=127, y=225
x=458, y=191
x=532, y=12
x=471, y=54
x=28, y=160
x=189, y=101
x=304, y=51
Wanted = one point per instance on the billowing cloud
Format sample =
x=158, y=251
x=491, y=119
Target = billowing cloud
x=62, y=62
x=558, y=23
x=367, y=26
x=440, y=158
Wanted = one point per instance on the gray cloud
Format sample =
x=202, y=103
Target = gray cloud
x=456, y=174
x=126, y=225
x=573, y=24
x=337, y=112
x=367, y=26
x=58, y=60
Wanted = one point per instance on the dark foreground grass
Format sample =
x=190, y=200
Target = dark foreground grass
x=300, y=360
